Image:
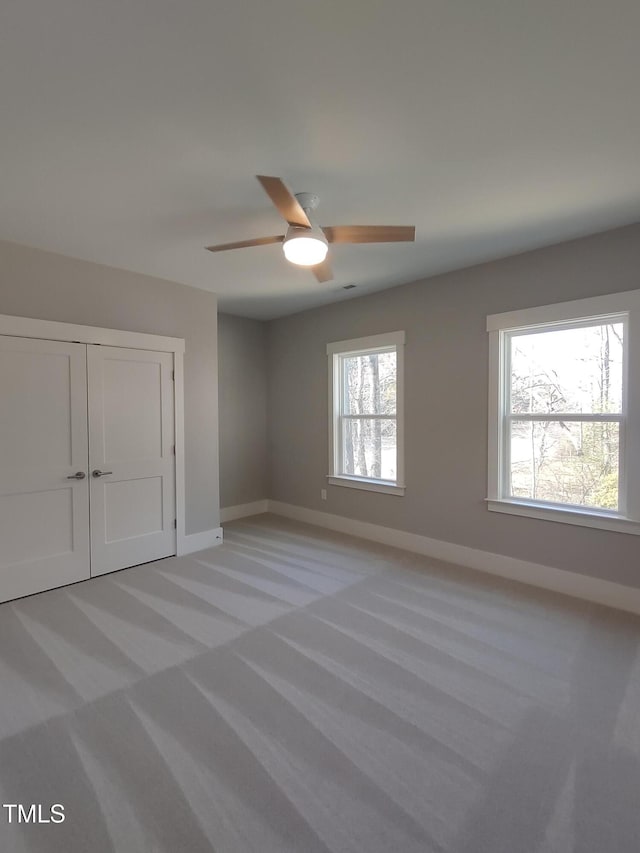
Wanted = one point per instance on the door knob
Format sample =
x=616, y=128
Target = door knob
x=99, y=473
x=79, y=475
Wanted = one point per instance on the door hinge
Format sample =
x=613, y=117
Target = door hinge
x=175, y=523
x=174, y=449
x=173, y=376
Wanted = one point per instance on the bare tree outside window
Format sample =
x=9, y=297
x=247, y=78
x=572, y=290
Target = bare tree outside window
x=566, y=390
x=368, y=415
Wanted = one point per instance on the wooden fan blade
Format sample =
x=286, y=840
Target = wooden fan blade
x=245, y=244
x=323, y=271
x=287, y=204
x=370, y=233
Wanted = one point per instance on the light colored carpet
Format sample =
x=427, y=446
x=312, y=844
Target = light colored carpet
x=296, y=690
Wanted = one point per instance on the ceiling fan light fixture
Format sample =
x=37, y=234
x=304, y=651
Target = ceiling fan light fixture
x=305, y=247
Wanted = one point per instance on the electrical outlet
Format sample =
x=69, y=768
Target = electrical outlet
x=323, y=494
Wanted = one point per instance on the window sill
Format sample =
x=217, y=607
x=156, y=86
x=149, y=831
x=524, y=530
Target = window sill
x=382, y=486
x=602, y=521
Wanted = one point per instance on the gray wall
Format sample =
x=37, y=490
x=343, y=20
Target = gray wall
x=242, y=392
x=53, y=287
x=446, y=402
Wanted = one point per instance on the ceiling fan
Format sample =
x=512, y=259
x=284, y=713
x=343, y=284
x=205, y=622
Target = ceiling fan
x=305, y=242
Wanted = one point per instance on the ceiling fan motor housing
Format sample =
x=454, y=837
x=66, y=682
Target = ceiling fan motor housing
x=308, y=201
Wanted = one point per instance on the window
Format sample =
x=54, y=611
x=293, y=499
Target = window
x=564, y=430
x=366, y=413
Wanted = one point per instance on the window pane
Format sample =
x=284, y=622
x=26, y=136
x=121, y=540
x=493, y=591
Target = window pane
x=570, y=370
x=369, y=448
x=370, y=384
x=568, y=463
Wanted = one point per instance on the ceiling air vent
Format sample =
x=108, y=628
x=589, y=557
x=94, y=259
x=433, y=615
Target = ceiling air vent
x=348, y=287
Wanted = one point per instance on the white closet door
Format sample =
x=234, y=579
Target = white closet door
x=131, y=457
x=44, y=515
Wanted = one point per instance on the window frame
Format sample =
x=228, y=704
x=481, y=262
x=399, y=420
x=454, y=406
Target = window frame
x=336, y=352
x=617, y=307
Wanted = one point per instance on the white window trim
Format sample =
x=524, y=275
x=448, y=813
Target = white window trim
x=355, y=346
x=559, y=315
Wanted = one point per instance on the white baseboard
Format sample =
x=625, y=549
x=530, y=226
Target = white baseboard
x=230, y=513
x=200, y=541
x=558, y=580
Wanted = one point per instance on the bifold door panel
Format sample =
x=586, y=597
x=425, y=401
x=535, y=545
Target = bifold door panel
x=44, y=490
x=131, y=438
x=87, y=466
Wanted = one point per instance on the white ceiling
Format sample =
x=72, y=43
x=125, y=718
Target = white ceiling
x=132, y=129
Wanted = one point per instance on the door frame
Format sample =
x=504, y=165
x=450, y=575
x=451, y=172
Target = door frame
x=52, y=330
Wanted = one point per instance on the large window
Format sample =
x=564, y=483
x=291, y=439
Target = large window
x=366, y=408
x=565, y=417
